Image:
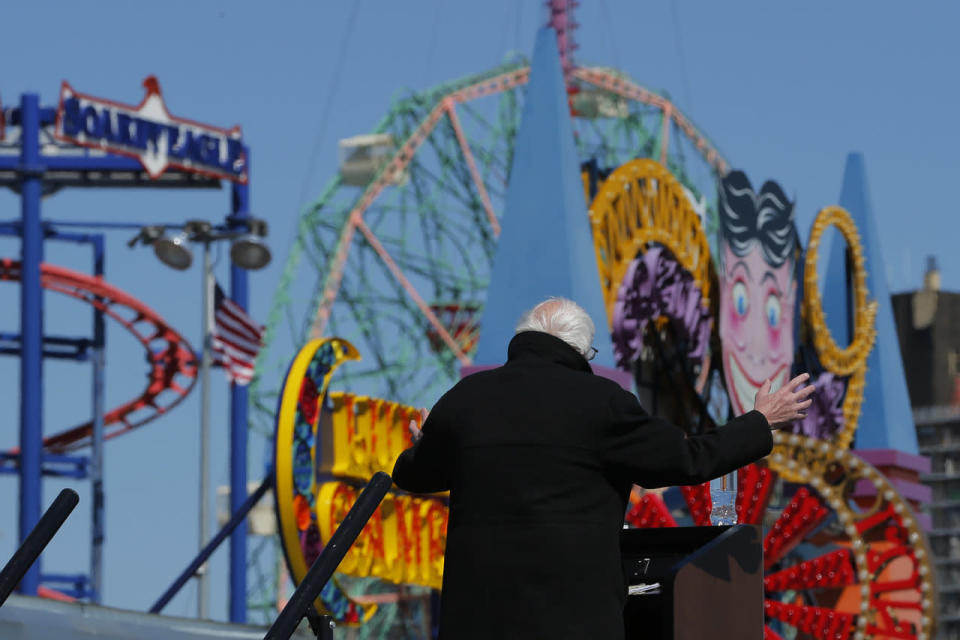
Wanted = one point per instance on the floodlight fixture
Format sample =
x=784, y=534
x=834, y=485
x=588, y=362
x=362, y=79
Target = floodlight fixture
x=174, y=251
x=146, y=236
x=247, y=248
x=249, y=251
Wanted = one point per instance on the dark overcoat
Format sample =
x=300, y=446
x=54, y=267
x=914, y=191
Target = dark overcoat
x=539, y=456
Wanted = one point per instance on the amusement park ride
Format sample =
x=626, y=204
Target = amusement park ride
x=420, y=255
x=87, y=142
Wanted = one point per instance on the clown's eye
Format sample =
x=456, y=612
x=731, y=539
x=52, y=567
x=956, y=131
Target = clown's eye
x=740, y=301
x=773, y=310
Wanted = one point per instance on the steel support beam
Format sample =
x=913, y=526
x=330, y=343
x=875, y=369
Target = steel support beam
x=51, y=464
x=98, y=520
x=55, y=346
x=239, y=292
x=31, y=330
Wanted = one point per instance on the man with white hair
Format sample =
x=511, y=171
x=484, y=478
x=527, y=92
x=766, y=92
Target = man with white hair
x=539, y=456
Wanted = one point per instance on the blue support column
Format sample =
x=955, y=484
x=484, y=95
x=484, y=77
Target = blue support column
x=96, y=456
x=31, y=330
x=238, y=427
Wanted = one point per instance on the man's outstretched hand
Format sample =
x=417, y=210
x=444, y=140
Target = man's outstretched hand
x=415, y=431
x=784, y=405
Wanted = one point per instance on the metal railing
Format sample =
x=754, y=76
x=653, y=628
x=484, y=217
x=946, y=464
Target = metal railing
x=36, y=541
x=301, y=602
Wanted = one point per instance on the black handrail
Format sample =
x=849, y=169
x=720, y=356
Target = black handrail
x=329, y=559
x=37, y=540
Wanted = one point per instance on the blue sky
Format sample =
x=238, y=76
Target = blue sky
x=785, y=91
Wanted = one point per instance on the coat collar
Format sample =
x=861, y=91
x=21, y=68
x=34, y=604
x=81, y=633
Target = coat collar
x=543, y=346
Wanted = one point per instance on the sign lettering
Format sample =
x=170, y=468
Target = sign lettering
x=323, y=434
x=403, y=542
x=149, y=133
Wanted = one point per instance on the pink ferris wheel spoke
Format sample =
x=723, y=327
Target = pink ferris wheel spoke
x=172, y=361
x=632, y=91
x=397, y=165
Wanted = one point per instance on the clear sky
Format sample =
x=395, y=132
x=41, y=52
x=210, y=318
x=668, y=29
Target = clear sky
x=784, y=90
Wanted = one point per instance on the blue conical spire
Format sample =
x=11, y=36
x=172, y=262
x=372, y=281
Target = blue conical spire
x=886, y=421
x=545, y=247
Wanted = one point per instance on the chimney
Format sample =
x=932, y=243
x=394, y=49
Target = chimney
x=924, y=301
x=931, y=279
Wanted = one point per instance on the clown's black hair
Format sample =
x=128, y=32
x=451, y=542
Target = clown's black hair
x=747, y=218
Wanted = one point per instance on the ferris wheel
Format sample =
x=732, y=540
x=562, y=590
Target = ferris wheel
x=395, y=254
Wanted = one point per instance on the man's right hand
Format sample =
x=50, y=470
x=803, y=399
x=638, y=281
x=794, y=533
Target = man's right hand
x=784, y=405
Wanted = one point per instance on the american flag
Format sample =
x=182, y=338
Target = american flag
x=236, y=338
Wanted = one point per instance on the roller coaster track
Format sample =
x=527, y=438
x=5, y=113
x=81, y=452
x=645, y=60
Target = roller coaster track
x=172, y=361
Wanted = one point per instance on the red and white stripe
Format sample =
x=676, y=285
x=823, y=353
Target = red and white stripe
x=236, y=339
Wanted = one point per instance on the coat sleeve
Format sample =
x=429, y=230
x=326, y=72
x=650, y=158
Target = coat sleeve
x=424, y=467
x=652, y=453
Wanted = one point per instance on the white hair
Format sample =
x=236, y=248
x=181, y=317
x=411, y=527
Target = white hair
x=562, y=318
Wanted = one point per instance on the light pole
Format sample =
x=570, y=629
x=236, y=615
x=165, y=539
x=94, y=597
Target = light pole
x=247, y=251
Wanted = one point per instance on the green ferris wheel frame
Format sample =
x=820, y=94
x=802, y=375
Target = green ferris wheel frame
x=391, y=259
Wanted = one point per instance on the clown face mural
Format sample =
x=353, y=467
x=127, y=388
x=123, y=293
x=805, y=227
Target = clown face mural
x=757, y=256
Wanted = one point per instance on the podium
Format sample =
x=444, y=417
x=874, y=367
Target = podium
x=710, y=583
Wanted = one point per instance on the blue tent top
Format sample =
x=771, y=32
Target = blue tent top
x=545, y=246
x=886, y=420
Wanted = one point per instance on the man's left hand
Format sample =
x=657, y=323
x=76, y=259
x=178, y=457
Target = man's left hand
x=416, y=432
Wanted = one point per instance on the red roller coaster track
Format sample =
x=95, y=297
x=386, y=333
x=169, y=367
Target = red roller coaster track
x=173, y=363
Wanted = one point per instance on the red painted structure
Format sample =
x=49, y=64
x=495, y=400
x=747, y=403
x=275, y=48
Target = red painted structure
x=173, y=364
